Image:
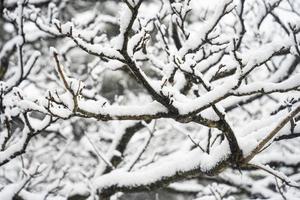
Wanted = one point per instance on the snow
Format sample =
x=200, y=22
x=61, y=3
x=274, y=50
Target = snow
x=11, y=190
x=198, y=37
x=134, y=41
x=207, y=98
x=67, y=28
x=98, y=49
x=18, y=146
x=178, y=163
x=117, y=111
x=292, y=82
x=253, y=58
x=277, y=174
x=96, y=102
x=10, y=45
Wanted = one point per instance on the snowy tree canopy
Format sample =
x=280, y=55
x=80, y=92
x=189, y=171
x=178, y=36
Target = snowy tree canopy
x=190, y=99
